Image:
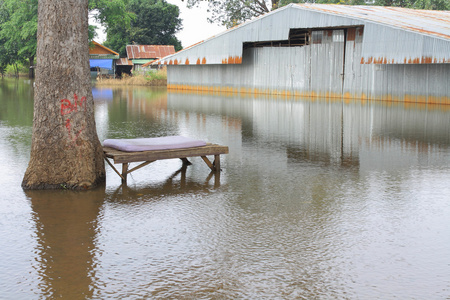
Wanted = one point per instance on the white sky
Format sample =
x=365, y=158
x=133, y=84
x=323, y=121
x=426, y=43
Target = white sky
x=195, y=25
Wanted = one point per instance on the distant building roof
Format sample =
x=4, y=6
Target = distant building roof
x=99, y=51
x=124, y=62
x=149, y=51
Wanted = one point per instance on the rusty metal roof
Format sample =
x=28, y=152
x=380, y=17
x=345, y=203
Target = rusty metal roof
x=428, y=22
x=100, y=51
x=124, y=62
x=391, y=35
x=149, y=51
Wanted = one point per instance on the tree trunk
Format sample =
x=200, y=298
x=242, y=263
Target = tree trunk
x=16, y=69
x=31, y=70
x=65, y=150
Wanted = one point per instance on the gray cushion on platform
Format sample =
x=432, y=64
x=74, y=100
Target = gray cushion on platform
x=159, y=143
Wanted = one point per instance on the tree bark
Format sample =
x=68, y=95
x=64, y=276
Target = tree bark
x=65, y=150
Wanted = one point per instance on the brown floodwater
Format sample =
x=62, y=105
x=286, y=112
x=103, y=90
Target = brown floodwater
x=317, y=200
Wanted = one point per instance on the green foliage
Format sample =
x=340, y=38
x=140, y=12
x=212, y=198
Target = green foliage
x=111, y=13
x=417, y=4
x=233, y=12
x=16, y=68
x=155, y=22
x=18, y=27
x=5, y=58
x=156, y=74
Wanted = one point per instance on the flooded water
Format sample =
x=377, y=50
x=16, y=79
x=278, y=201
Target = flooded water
x=317, y=200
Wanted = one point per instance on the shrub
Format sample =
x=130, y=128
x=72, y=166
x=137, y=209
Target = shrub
x=160, y=74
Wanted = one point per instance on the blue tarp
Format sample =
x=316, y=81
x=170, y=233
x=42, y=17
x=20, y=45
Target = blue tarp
x=101, y=63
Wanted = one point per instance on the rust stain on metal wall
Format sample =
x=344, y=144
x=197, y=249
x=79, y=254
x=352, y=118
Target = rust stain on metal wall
x=232, y=60
x=409, y=100
x=361, y=31
x=351, y=34
x=410, y=60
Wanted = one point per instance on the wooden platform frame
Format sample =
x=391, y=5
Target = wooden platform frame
x=147, y=157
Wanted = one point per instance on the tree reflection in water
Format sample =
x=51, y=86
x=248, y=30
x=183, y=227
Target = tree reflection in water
x=66, y=228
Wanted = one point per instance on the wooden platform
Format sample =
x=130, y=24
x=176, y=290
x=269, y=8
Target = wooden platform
x=147, y=157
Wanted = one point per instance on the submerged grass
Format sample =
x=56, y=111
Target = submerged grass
x=150, y=78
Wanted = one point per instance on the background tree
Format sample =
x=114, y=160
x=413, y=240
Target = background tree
x=4, y=55
x=65, y=150
x=18, y=30
x=233, y=12
x=8, y=56
x=111, y=12
x=18, y=26
x=155, y=22
x=418, y=4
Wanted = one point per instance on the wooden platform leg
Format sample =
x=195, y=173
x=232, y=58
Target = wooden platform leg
x=124, y=172
x=217, y=180
x=114, y=168
x=216, y=163
x=185, y=161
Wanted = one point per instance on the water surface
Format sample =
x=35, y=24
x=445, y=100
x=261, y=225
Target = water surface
x=317, y=200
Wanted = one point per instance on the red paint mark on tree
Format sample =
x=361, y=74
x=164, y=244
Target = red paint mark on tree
x=68, y=126
x=68, y=107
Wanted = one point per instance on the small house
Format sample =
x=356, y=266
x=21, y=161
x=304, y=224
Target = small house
x=102, y=60
x=145, y=54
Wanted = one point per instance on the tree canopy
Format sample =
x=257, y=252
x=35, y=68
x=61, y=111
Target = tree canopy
x=233, y=12
x=155, y=22
x=126, y=21
x=18, y=27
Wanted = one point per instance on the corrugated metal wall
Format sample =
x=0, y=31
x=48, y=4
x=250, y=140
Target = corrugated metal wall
x=393, y=35
x=329, y=67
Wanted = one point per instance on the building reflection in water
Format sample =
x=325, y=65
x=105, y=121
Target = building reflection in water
x=332, y=132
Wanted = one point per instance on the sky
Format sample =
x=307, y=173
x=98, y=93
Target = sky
x=195, y=26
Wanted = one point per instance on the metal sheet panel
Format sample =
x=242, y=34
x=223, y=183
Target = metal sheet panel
x=386, y=45
x=393, y=35
x=124, y=62
x=427, y=22
x=149, y=51
x=366, y=61
x=99, y=49
x=315, y=71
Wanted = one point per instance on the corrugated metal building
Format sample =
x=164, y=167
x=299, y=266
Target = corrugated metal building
x=365, y=52
x=142, y=54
